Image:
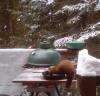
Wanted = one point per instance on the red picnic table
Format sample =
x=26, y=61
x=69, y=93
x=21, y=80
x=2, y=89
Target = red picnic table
x=33, y=78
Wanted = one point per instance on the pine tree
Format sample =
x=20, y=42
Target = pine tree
x=32, y=20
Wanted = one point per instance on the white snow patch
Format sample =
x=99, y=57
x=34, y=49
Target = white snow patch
x=62, y=42
x=49, y=1
x=87, y=65
x=78, y=7
x=87, y=35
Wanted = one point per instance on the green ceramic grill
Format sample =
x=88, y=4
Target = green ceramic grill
x=78, y=45
x=44, y=55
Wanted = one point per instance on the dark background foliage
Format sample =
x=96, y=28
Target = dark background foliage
x=27, y=22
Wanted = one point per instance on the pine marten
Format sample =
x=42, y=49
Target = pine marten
x=66, y=67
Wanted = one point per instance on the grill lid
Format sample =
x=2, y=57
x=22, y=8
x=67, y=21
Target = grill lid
x=44, y=55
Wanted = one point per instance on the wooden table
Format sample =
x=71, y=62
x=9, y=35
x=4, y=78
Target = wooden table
x=33, y=78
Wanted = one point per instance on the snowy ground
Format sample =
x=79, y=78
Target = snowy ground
x=11, y=61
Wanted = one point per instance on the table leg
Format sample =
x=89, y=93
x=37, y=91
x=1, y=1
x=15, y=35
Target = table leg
x=32, y=94
x=57, y=90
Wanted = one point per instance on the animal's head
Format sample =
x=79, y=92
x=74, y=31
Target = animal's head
x=52, y=69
